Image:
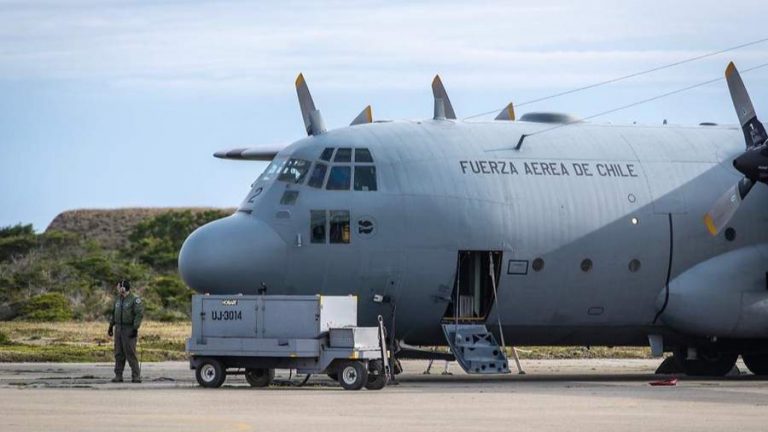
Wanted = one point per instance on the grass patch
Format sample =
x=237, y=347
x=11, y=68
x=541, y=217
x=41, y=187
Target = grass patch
x=72, y=341
x=87, y=342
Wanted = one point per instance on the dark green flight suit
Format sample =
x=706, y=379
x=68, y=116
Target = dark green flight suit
x=126, y=318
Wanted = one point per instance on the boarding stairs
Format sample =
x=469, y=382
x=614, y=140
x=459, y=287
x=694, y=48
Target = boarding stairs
x=476, y=349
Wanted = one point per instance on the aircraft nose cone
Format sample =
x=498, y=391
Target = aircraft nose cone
x=231, y=256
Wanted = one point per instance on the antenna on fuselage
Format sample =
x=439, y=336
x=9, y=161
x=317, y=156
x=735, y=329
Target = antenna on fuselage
x=443, y=108
x=313, y=120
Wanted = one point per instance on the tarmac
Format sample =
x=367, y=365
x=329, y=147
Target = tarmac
x=553, y=395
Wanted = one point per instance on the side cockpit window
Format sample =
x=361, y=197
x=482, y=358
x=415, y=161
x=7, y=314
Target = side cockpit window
x=295, y=171
x=318, y=175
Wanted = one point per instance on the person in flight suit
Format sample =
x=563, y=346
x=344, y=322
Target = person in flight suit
x=124, y=325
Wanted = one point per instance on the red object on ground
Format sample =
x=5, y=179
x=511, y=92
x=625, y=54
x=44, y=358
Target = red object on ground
x=666, y=382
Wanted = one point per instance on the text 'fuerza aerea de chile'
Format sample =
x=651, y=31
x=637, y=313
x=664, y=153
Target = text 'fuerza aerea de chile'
x=534, y=168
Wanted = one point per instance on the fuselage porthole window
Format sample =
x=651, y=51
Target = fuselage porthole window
x=363, y=155
x=339, y=178
x=365, y=178
x=343, y=154
x=318, y=175
x=295, y=171
x=327, y=153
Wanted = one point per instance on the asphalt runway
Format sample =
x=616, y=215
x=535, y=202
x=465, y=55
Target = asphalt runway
x=554, y=395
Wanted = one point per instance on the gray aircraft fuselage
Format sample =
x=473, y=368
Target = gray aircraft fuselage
x=599, y=230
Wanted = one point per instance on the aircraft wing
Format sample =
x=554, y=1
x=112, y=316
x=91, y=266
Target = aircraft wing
x=260, y=153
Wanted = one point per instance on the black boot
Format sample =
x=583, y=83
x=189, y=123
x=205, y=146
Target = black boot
x=117, y=379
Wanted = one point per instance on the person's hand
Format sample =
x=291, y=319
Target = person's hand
x=134, y=334
x=111, y=331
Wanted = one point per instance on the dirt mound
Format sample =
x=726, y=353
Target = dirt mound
x=109, y=227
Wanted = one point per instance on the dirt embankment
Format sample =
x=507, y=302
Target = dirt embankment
x=110, y=227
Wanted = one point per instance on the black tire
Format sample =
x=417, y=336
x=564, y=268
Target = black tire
x=756, y=363
x=259, y=377
x=352, y=375
x=377, y=380
x=709, y=363
x=210, y=373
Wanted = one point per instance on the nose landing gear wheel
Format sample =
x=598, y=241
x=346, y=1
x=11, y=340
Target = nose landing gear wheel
x=352, y=375
x=210, y=373
x=259, y=377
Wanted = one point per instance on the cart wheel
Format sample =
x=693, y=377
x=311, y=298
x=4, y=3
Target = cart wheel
x=376, y=377
x=259, y=377
x=352, y=375
x=210, y=373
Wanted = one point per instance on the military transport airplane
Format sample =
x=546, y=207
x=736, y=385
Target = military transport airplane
x=561, y=232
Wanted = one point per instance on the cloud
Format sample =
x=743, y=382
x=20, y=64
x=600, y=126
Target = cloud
x=257, y=47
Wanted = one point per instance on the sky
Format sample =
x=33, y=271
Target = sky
x=109, y=104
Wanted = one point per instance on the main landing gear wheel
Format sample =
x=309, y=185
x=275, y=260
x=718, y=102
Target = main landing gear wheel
x=377, y=379
x=709, y=363
x=259, y=377
x=756, y=363
x=352, y=375
x=210, y=373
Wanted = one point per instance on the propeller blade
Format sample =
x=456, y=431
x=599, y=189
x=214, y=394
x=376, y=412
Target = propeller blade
x=365, y=116
x=441, y=100
x=754, y=131
x=508, y=113
x=313, y=121
x=725, y=206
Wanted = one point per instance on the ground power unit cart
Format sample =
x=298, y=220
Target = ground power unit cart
x=256, y=334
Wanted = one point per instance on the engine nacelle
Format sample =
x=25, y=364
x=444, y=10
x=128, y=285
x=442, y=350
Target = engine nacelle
x=725, y=296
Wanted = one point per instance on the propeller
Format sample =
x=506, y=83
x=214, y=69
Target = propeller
x=753, y=163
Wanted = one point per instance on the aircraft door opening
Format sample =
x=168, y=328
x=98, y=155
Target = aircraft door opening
x=473, y=285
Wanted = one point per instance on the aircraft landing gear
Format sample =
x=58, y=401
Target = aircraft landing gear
x=708, y=362
x=756, y=363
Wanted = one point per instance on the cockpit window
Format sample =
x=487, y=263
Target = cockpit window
x=272, y=169
x=295, y=171
x=318, y=175
x=327, y=153
x=343, y=154
x=289, y=197
x=339, y=179
x=363, y=155
x=365, y=178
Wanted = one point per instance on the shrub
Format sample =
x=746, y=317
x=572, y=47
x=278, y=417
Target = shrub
x=4, y=339
x=157, y=240
x=16, y=246
x=47, y=307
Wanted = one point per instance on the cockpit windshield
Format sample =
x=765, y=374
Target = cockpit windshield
x=295, y=171
x=272, y=169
